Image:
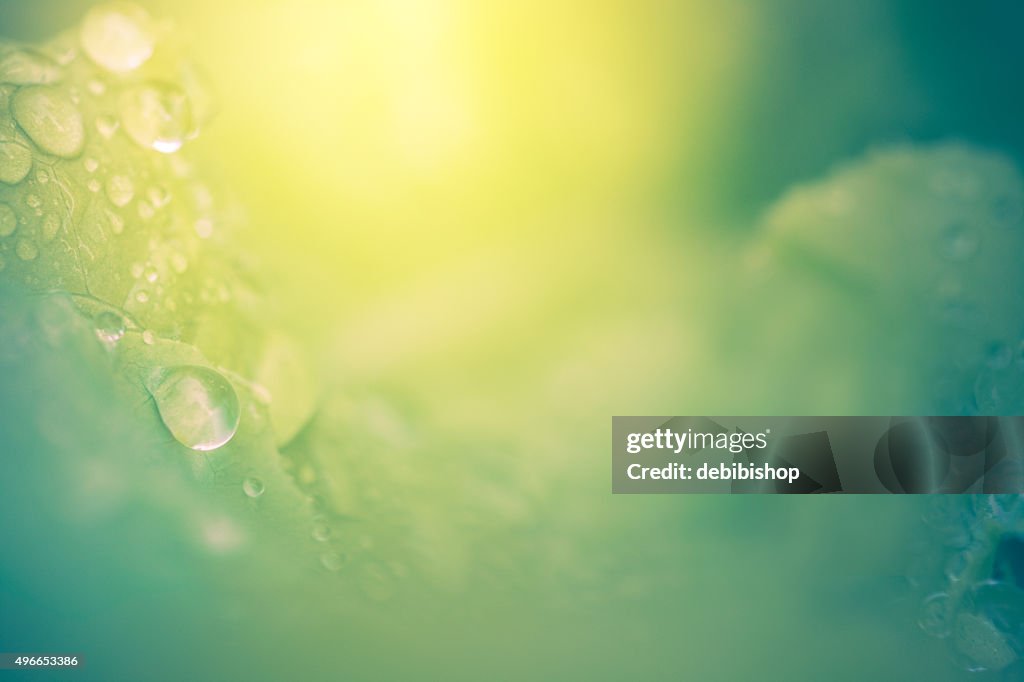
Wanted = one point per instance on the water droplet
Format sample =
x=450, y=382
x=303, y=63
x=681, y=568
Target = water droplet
x=50, y=119
x=120, y=190
x=91, y=165
x=109, y=326
x=107, y=126
x=26, y=250
x=158, y=195
x=333, y=561
x=96, y=87
x=148, y=337
x=42, y=177
x=935, y=619
x=142, y=296
x=26, y=67
x=157, y=116
x=93, y=185
x=150, y=274
x=253, y=487
x=118, y=36
x=321, y=531
x=33, y=201
x=959, y=241
x=49, y=227
x=198, y=406
x=15, y=162
x=8, y=221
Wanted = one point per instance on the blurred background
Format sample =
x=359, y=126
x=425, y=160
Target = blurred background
x=457, y=238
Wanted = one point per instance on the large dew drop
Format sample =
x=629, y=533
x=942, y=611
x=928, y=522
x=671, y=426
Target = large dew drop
x=51, y=119
x=118, y=36
x=157, y=116
x=198, y=406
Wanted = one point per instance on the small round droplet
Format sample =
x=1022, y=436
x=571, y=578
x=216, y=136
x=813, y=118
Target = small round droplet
x=107, y=126
x=198, y=406
x=332, y=561
x=42, y=177
x=120, y=190
x=253, y=487
x=91, y=165
x=150, y=274
x=8, y=221
x=321, y=531
x=109, y=326
x=96, y=87
x=118, y=36
x=33, y=201
x=157, y=116
x=27, y=67
x=50, y=119
x=26, y=250
x=142, y=296
x=959, y=242
x=15, y=162
x=158, y=196
x=148, y=337
x=935, y=619
x=93, y=185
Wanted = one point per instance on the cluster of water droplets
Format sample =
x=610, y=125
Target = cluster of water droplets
x=95, y=200
x=76, y=143
x=98, y=200
x=970, y=571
